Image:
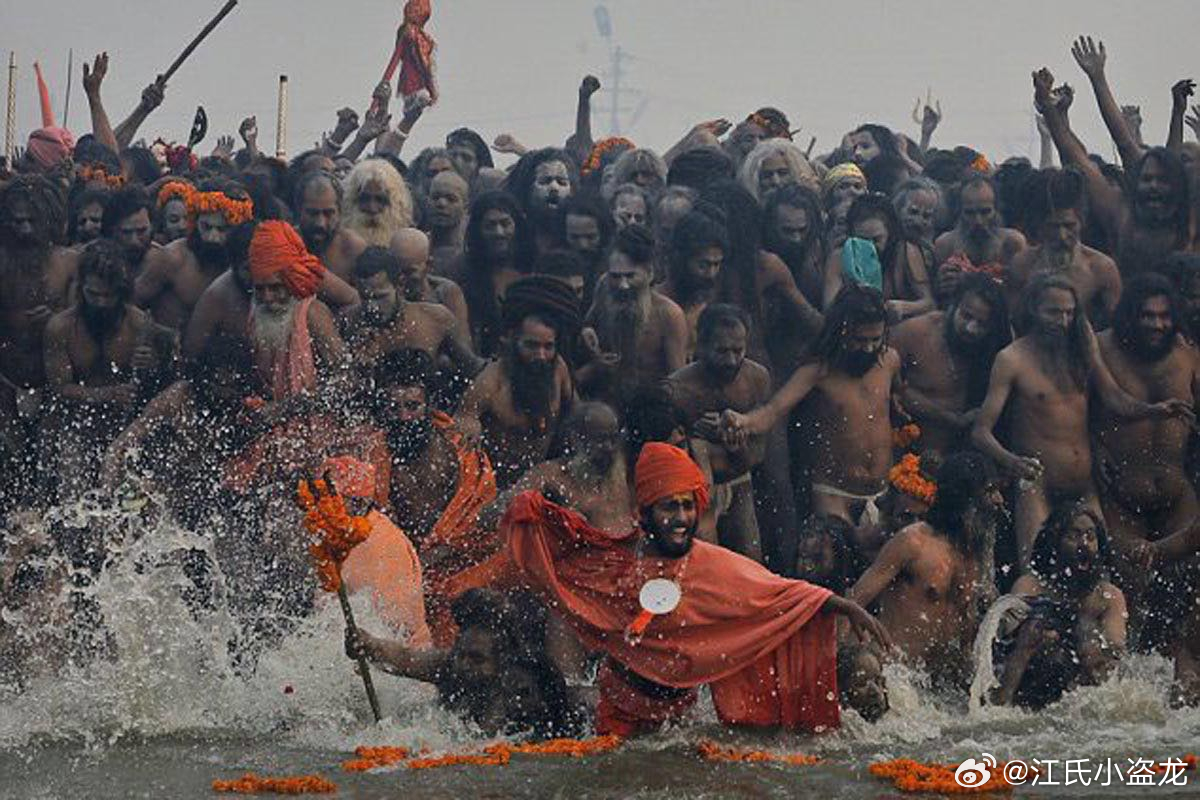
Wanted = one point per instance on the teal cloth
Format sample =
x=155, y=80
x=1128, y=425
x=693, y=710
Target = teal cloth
x=860, y=263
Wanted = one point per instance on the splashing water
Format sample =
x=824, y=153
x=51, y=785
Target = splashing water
x=176, y=704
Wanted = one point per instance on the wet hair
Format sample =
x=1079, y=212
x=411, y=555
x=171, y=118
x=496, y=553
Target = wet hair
x=1011, y=198
x=1176, y=175
x=960, y=479
x=1048, y=191
x=520, y=181
x=631, y=161
x=877, y=206
x=1043, y=562
x=374, y=260
x=407, y=367
x=719, y=316
x=743, y=226
x=1077, y=338
x=885, y=172
x=802, y=172
x=999, y=334
x=142, y=164
x=45, y=200
x=560, y=263
x=309, y=179
x=295, y=168
x=699, y=167
x=477, y=287
x=840, y=533
x=694, y=232
x=883, y=137
x=124, y=203
x=588, y=204
x=483, y=156
x=802, y=197
x=1134, y=295
x=78, y=202
x=106, y=259
x=636, y=242
x=856, y=304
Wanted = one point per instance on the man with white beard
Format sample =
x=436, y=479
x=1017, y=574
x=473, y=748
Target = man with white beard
x=291, y=332
x=377, y=203
x=642, y=335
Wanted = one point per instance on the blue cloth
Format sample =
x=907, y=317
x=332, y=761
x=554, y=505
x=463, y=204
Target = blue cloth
x=860, y=263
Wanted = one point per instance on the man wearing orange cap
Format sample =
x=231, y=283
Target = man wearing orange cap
x=290, y=330
x=671, y=613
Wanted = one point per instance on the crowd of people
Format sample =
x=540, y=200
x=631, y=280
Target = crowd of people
x=885, y=384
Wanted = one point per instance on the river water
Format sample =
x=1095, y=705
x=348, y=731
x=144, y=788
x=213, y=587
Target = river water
x=170, y=711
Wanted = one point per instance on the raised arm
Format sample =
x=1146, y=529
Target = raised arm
x=1091, y=57
x=92, y=80
x=579, y=144
x=152, y=98
x=704, y=134
x=1180, y=93
x=1046, y=150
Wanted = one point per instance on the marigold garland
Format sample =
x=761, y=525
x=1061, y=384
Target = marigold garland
x=96, y=173
x=601, y=149
x=494, y=755
x=906, y=476
x=255, y=784
x=498, y=756
x=905, y=435
x=372, y=757
x=336, y=531
x=236, y=212
x=711, y=751
x=913, y=776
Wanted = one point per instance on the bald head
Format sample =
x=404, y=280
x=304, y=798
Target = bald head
x=593, y=432
x=448, y=194
x=411, y=248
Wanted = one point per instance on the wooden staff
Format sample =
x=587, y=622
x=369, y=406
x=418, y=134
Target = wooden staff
x=10, y=121
x=187, y=51
x=70, y=74
x=364, y=668
x=281, y=120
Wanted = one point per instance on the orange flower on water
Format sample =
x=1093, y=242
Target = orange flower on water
x=913, y=776
x=255, y=784
x=496, y=755
x=907, y=477
x=905, y=435
x=335, y=530
x=492, y=757
x=711, y=751
x=576, y=748
x=372, y=757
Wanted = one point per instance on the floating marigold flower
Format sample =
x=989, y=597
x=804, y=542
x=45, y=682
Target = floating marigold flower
x=711, y=751
x=905, y=435
x=914, y=776
x=255, y=784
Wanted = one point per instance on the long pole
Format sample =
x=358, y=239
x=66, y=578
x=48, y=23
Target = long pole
x=10, y=121
x=67, y=101
x=364, y=669
x=281, y=119
x=200, y=37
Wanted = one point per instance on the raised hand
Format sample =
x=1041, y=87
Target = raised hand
x=1043, y=90
x=248, y=130
x=589, y=86
x=1043, y=131
x=347, y=123
x=375, y=125
x=1193, y=121
x=224, y=147
x=1090, y=57
x=92, y=78
x=1180, y=93
x=507, y=143
x=1064, y=95
x=153, y=95
x=930, y=117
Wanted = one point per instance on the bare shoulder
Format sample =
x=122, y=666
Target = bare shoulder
x=666, y=307
x=759, y=376
x=772, y=267
x=1098, y=261
x=58, y=325
x=910, y=540
x=319, y=314
x=944, y=246
x=349, y=243
x=686, y=375
x=914, y=327
x=890, y=359
x=1108, y=593
x=1014, y=241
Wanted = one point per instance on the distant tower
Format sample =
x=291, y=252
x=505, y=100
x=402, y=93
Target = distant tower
x=614, y=76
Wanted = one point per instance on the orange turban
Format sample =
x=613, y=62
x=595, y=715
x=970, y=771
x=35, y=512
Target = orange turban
x=352, y=477
x=277, y=248
x=663, y=470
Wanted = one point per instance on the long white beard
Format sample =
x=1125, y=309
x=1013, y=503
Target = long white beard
x=273, y=332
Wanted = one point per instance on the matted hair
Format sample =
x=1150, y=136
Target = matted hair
x=630, y=162
x=856, y=304
x=399, y=213
x=799, y=166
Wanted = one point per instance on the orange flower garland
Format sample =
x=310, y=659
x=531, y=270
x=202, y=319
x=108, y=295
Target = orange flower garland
x=95, y=173
x=905, y=435
x=495, y=755
x=601, y=149
x=576, y=748
x=327, y=519
x=236, y=212
x=913, y=776
x=906, y=476
x=254, y=784
x=372, y=757
x=711, y=751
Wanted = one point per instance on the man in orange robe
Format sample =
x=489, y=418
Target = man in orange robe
x=766, y=645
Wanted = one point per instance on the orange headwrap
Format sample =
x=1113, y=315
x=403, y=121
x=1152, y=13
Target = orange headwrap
x=663, y=470
x=277, y=248
x=352, y=477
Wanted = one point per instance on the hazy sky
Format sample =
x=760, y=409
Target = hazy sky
x=515, y=65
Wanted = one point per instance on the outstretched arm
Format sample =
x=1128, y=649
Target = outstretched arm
x=1180, y=93
x=579, y=144
x=891, y=561
x=396, y=658
x=152, y=98
x=92, y=79
x=757, y=422
x=1091, y=57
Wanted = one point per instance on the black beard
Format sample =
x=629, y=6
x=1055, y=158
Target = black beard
x=1154, y=219
x=408, y=440
x=532, y=386
x=692, y=285
x=101, y=322
x=858, y=362
x=722, y=377
x=136, y=254
x=316, y=241
x=208, y=254
x=794, y=254
x=1151, y=353
x=664, y=547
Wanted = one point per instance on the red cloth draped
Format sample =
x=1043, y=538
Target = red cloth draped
x=756, y=638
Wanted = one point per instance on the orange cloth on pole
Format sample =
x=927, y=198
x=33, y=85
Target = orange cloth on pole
x=277, y=248
x=386, y=566
x=759, y=640
x=293, y=371
x=662, y=471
